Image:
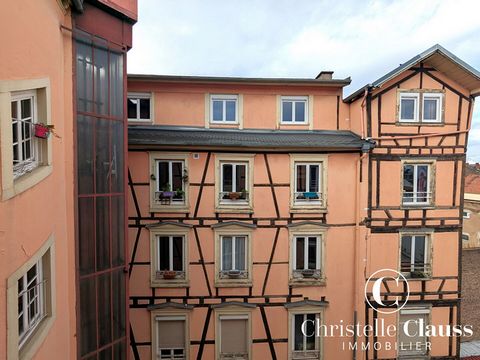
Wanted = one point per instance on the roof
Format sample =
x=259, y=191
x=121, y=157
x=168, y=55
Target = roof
x=156, y=136
x=470, y=350
x=472, y=183
x=442, y=60
x=240, y=80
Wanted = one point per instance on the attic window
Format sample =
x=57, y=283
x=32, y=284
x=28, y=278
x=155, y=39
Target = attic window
x=420, y=107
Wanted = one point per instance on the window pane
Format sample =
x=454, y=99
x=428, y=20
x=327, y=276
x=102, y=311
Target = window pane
x=102, y=157
x=163, y=176
x=301, y=178
x=299, y=111
x=101, y=81
x=314, y=178
x=178, y=253
x=118, y=291
x=406, y=252
x=430, y=109
x=103, y=233
x=300, y=258
x=116, y=85
x=26, y=106
x=312, y=252
x=86, y=240
x=422, y=183
x=310, y=329
x=14, y=110
x=88, y=316
x=84, y=70
x=226, y=253
x=132, y=108
x=240, y=253
x=230, y=106
x=177, y=176
x=241, y=178
x=227, y=177
x=104, y=309
x=287, y=110
x=164, y=255
x=145, y=109
x=407, y=183
x=407, y=109
x=117, y=169
x=298, y=336
x=419, y=252
x=217, y=106
x=85, y=162
x=118, y=233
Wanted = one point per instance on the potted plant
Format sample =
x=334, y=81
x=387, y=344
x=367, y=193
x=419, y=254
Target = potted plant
x=308, y=272
x=243, y=194
x=417, y=274
x=179, y=193
x=169, y=274
x=234, y=195
x=166, y=192
x=233, y=273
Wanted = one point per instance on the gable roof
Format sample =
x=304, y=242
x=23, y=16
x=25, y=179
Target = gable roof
x=442, y=60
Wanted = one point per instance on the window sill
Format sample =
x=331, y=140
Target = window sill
x=419, y=123
x=231, y=283
x=36, y=339
x=169, y=208
x=307, y=282
x=169, y=283
x=234, y=208
x=416, y=206
x=26, y=181
x=307, y=209
x=139, y=122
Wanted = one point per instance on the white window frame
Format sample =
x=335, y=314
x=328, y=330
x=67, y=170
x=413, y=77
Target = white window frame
x=427, y=260
x=170, y=251
x=432, y=96
x=234, y=183
x=25, y=166
x=304, y=354
x=428, y=196
x=170, y=178
x=222, y=317
x=29, y=325
x=294, y=100
x=410, y=95
x=412, y=311
x=157, y=319
x=245, y=251
x=138, y=96
x=307, y=184
x=318, y=255
x=224, y=98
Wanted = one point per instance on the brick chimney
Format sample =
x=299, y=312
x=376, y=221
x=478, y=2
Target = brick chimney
x=325, y=75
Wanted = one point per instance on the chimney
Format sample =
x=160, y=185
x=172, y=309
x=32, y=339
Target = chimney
x=324, y=75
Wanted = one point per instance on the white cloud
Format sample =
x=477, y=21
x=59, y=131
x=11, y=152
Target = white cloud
x=361, y=39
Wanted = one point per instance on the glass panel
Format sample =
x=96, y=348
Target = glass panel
x=118, y=304
x=240, y=181
x=287, y=110
x=217, y=108
x=163, y=176
x=88, y=313
x=132, y=108
x=301, y=178
x=312, y=252
x=84, y=70
x=408, y=183
x=145, y=109
x=407, y=109
x=178, y=253
x=300, y=258
x=310, y=329
x=299, y=111
x=117, y=168
x=102, y=157
x=116, y=85
x=105, y=354
x=101, y=81
x=103, y=233
x=240, y=253
x=14, y=110
x=86, y=241
x=118, y=232
x=164, y=255
x=314, y=178
x=430, y=109
x=85, y=161
x=227, y=177
x=298, y=335
x=177, y=176
x=226, y=253
x=119, y=351
x=230, y=112
x=104, y=309
x=419, y=253
x=406, y=253
x=422, y=183
x=26, y=108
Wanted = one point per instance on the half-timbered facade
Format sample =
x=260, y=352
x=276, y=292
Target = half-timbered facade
x=258, y=204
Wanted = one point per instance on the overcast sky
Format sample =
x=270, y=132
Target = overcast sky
x=279, y=38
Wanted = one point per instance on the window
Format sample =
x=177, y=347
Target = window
x=170, y=263
x=171, y=337
x=414, y=342
x=294, y=110
x=30, y=302
x=170, y=182
x=420, y=106
x=139, y=107
x=234, y=336
x=307, y=183
x=234, y=182
x=233, y=251
x=415, y=255
x=465, y=237
x=466, y=214
x=306, y=256
x=304, y=346
x=416, y=184
x=169, y=254
x=224, y=109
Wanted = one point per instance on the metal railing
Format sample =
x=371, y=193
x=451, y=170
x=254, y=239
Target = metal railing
x=416, y=197
x=169, y=197
x=233, y=196
x=417, y=269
